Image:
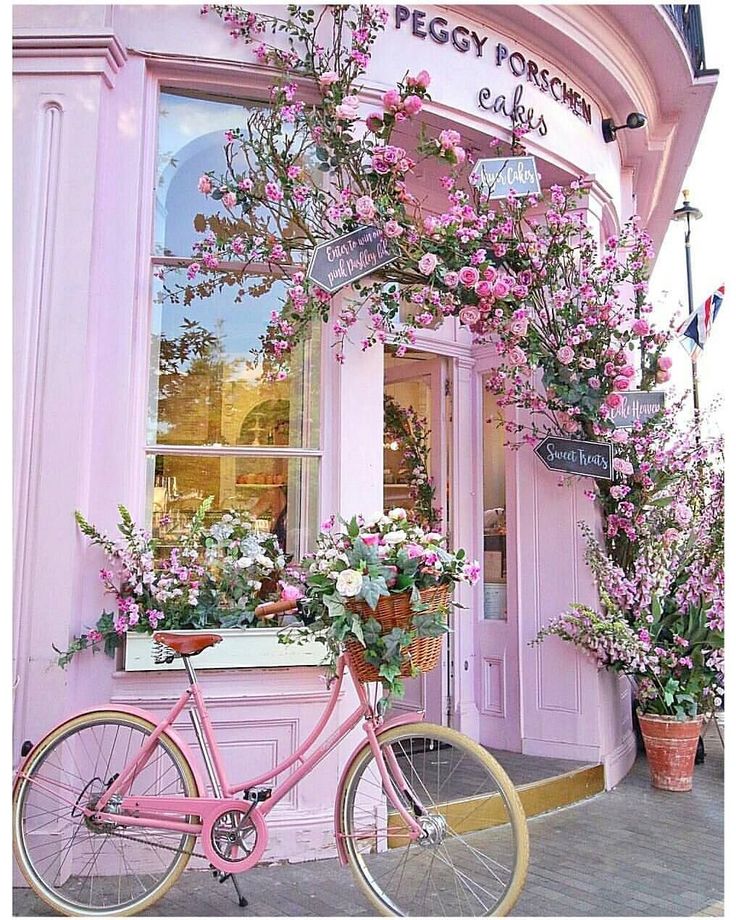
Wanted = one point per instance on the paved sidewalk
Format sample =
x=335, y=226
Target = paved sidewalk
x=635, y=851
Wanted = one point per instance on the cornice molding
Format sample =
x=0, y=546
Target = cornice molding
x=73, y=53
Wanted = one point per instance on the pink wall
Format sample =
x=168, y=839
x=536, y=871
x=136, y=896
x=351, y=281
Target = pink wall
x=86, y=85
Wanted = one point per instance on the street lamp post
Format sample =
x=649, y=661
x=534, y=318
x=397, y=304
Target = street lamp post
x=689, y=213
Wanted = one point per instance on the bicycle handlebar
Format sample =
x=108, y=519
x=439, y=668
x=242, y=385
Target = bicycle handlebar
x=265, y=611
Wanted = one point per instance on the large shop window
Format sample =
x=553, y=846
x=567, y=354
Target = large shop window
x=216, y=427
x=494, y=511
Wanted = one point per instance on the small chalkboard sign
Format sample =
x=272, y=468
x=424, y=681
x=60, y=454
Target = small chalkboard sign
x=343, y=260
x=495, y=177
x=583, y=458
x=637, y=406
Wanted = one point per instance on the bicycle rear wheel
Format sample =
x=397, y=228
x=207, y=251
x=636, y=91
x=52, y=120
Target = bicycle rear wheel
x=85, y=869
x=472, y=858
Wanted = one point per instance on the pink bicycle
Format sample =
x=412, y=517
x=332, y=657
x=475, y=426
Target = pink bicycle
x=108, y=807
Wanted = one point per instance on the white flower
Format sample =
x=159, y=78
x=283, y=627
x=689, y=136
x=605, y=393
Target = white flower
x=432, y=537
x=349, y=582
x=394, y=537
x=397, y=514
x=264, y=562
x=373, y=518
x=243, y=562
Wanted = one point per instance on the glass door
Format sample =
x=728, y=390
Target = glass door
x=415, y=477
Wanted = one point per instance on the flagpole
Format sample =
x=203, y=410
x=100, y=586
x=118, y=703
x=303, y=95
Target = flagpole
x=687, y=213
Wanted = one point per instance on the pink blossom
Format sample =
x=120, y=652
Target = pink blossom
x=459, y=154
x=664, y=362
x=428, y=263
x=501, y=289
x=392, y=230
x=205, y=185
x=349, y=108
x=414, y=550
x=469, y=315
x=327, y=78
x=94, y=636
x=412, y=105
x=519, y=327
x=374, y=122
x=291, y=593
x=640, y=327
x=229, y=200
x=516, y=356
x=483, y=289
x=623, y=466
x=274, y=192
x=391, y=100
x=451, y=279
x=365, y=207
x=662, y=376
x=468, y=276
x=614, y=400
x=621, y=382
x=371, y=539
x=449, y=138
x=421, y=81
x=565, y=354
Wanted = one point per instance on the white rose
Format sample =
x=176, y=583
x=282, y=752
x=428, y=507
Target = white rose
x=397, y=514
x=394, y=537
x=349, y=582
x=373, y=518
x=264, y=561
x=432, y=537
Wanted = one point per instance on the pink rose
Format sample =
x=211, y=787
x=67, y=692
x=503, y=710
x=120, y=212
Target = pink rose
x=421, y=81
x=664, y=363
x=500, y=289
x=291, y=593
x=627, y=370
x=620, y=436
x=428, y=263
x=392, y=229
x=229, y=200
x=449, y=138
x=430, y=223
x=374, y=122
x=370, y=539
x=663, y=376
x=469, y=315
x=490, y=273
x=623, y=466
x=327, y=78
x=412, y=105
x=614, y=400
x=391, y=100
x=459, y=154
x=205, y=185
x=640, y=327
x=621, y=383
x=468, y=276
x=483, y=289
x=519, y=327
x=349, y=108
x=365, y=208
x=451, y=279
x=565, y=354
x=516, y=356
x=414, y=550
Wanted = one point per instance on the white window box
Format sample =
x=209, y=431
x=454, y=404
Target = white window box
x=240, y=648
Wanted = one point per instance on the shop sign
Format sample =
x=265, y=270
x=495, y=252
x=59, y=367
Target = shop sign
x=350, y=257
x=636, y=406
x=582, y=458
x=495, y=177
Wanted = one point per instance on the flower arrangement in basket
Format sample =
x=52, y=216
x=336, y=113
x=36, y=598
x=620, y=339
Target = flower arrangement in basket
x=214, y=577
x=380, y=587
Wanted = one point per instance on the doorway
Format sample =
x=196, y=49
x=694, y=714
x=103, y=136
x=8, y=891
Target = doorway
x=417, y=416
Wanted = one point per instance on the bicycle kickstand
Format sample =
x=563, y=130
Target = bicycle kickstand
x=242, y=900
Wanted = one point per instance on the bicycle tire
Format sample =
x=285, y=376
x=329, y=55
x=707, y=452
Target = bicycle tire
x=66, y=766
x=475, y=812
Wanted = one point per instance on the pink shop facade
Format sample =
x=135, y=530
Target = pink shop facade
x=118, y=110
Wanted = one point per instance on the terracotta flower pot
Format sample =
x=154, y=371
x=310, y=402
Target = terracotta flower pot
x=670, y=747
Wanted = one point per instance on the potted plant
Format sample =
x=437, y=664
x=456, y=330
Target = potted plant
x=380, y=586
x=213, y=578
x=662, y=618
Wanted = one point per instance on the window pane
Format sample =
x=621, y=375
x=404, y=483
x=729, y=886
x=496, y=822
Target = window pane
x=204, y=387
x=190, y=142
x=413, y=395
x=281, y=493
x=494, y=511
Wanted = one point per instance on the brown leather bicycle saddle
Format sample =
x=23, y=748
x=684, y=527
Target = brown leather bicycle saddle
x=190, y=644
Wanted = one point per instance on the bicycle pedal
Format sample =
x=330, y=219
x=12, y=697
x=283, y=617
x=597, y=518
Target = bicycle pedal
x=257, y=794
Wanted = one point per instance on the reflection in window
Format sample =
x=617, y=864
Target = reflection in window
x=494, y=511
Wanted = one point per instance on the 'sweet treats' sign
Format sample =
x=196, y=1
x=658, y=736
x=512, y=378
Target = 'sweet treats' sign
x=583, y=458
x=495, y=177
x=350, y=257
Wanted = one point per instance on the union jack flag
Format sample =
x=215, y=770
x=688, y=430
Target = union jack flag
x=696, y=328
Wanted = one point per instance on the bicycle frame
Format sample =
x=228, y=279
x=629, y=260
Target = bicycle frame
x=174, y=812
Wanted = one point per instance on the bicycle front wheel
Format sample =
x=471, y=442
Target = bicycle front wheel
x=472, y=857
x=83, y=868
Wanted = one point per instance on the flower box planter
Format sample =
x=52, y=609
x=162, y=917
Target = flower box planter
x=240, y=648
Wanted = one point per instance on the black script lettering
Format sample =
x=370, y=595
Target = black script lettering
x=544, y=75
x=401, y=15
x=441, y=36
x=484, y=95
x=417, y=23
x=502, y=52
x=586, y=111
x=478, y=42
x=568, y=96
x=553, y=83
x=464, y=44
x=531, y=72
x=542, y=126
x=517, y=61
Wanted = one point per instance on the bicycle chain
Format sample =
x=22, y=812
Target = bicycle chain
x=158, y=846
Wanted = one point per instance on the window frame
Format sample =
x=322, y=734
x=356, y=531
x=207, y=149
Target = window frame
x=242, y=93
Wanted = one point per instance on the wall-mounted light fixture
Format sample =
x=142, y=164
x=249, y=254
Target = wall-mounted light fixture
x=635, y=120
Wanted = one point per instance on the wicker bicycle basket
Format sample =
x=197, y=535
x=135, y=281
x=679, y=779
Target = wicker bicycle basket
x=422, y=654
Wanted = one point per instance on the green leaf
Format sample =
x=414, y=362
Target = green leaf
x=373, y=589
